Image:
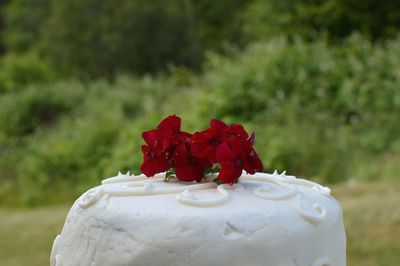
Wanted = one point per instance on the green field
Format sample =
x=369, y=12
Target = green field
x=372, y=217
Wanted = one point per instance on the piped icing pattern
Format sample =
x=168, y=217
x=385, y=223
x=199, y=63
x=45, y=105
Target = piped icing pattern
x=275, y=187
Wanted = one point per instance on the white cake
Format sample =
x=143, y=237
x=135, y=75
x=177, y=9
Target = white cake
x=264, y=220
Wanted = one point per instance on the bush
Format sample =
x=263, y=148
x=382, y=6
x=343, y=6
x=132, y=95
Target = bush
x=22, y=113
x=65, y=160
x=316, y=107
x=21, y=70
x=95, y=135
x=349, y=82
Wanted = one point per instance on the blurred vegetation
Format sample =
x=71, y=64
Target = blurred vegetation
x=80, y=80
x=317, y=111
x=92, y=38
x=19, y=70
x=24, y=21
x=312, y=18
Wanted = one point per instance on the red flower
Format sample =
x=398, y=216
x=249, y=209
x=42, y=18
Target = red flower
x=230, y=147
x=187, y=167
x=152, y=162
x=161, y=143
x=204, y=143
x=228, y=132
x=235, y=156
x=171, y=132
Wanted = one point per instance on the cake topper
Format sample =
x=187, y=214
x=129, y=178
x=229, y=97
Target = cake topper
x=222, y=148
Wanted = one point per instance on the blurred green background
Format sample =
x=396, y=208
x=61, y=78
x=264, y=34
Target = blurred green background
x=318, y=81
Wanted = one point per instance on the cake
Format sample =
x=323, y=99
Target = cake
x=202, y=200
x=262, y=220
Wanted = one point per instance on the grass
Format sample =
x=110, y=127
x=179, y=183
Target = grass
x=372, y=218
x=371, y=210
x=26, y=235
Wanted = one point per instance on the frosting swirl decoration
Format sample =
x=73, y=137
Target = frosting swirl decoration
x=274, y=187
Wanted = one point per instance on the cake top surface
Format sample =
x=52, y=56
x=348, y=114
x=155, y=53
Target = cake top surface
x=260, y=191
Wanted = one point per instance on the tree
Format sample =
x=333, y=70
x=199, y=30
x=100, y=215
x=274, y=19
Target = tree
x=310, y=18
x=2, y=48
x=98, y=38
x=23, y=22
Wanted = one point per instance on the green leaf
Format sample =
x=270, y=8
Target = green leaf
x=169, y=174
x=214, y=169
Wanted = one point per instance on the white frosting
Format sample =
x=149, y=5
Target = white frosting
x=265, y=220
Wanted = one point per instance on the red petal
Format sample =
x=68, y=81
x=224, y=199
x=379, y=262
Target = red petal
x=145, y=148
x=198, y=148
x=171, y=122
x=224, y=153
x=150, y=137
x=211, y=154
x=188, y=173
x=249, y=167
x=239, y=131
x=240, y=147
x=162, y=165
x=204, y=162
x=148, y=168
x=253, y=163
x=215, y=123
x=229, y=173
x=257, y=164
x=210, y=133
x=168, y=143
x=184, y=136
x=181, y=154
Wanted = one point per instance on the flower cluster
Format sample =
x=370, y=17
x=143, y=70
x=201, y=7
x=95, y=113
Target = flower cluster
x=223, y=148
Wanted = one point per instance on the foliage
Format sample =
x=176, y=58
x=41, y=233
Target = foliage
x=24, y=21
x=20, y=70
x=69, y=132
x=92, y=38
x=2, y=48
x=219, y=23
x=36, y=107
x=318, y=110
x=338, y=18
x=126, y=35
x=101, y=39
x=134, y=36
x=349, y=84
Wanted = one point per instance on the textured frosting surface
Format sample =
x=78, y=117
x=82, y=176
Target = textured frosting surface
x=264, y=220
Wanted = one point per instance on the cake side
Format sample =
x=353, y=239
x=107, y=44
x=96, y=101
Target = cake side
x=265, y=219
